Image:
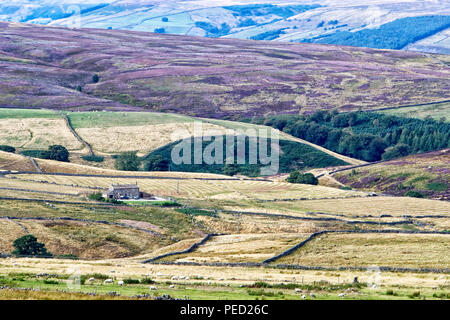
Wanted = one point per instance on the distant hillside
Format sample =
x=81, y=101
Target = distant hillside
x=91, y=69
x=426, y=175
x=331, y=21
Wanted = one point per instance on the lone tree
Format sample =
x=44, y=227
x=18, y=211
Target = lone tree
x=95, y=78
x=57, y=152
x=29, y=246
x=128, y=161
x=304, y=178
x=157, y=163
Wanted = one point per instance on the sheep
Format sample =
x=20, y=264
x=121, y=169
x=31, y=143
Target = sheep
x=120, y=283
x=153, y=288
x=312, y=295
x=303, y=297
x=298, y=290
x=174, y=278
x=91, y=279
x=182, y=277
x=188, y=278
x=171, y=286
x=341, y=295
x=108, y=281
x=159, y=274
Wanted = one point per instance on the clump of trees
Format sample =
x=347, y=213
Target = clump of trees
x=303, y=178
x=157, y=163
x=367, y=136
x=7, y=148
x=128, y=161
x=56, y=152
x=29, y=246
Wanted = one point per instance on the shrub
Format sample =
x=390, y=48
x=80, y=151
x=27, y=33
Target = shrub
x=165, y=203
x=95, y=78
x=147, y=281
x=260, y=284
x=230, y=169
x=93, y=158
x=29, y=246
x=7, y=148
x=413, y=194
x=128, y=161
x=391, y=292
x=197, y=212
x=415, y=294
x=46, y=281
x=437, y=186
x=68, y=256
x=304, y=178
x=96, y=196
x=400, y=150
x=131, y=281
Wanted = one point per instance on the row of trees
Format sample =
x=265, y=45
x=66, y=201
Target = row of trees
x=366, y=135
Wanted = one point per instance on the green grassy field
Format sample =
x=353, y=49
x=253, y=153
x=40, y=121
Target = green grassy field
x=200, y=291
x=114, y=119
x=435, y=111
x=27, y=113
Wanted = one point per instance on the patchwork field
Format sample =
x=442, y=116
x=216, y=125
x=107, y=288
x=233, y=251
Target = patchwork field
x=201, y=189
x=428, y=174
x=396, y=250
x=240, y=248
x=111, y=133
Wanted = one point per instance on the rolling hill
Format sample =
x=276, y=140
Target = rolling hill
x=92, y=69
x=427, y=175
x=392, y=24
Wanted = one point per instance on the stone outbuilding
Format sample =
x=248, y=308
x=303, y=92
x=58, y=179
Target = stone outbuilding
x=122, y=191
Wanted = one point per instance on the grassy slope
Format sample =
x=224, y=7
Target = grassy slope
x=427, y=173
x=399, y=250
x=221, y=78
x=435, y=111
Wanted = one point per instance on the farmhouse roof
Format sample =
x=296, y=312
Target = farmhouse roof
x=124, y=186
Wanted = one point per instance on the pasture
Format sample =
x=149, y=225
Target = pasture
x=383, y=250
x=240, y=248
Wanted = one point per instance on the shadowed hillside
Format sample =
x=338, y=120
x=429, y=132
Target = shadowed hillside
x=221, y=78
